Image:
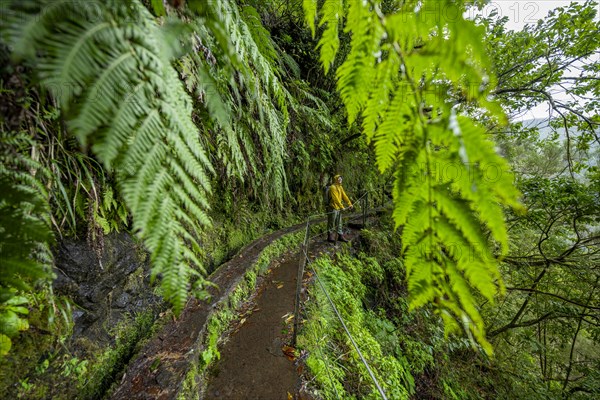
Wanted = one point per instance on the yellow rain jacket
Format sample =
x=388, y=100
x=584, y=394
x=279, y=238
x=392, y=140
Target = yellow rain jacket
x=337, y=195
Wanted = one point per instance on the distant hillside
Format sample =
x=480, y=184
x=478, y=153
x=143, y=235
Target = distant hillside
x=543, y=124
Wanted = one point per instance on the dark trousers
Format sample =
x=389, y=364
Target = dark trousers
x=334, y=221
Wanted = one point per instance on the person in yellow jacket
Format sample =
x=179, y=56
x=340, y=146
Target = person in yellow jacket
x=337, y=197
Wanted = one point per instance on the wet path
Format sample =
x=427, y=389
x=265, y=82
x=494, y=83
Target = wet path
x=252, y=364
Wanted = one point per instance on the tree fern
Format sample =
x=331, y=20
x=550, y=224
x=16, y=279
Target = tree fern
x=399, y=74
x=108, y=67
x=248, y=141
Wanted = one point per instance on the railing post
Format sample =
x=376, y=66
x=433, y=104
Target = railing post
x=301, y=266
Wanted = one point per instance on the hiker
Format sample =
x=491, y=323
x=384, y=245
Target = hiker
x=334, y=219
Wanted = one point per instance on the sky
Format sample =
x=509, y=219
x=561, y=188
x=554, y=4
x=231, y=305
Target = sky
x=521, y=13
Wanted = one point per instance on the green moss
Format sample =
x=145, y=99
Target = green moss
x=347, y=280
x=135, y=281
x=35, y=352
x=227, y=237
x=190, y=389
x=59, y=374
x=104, y=368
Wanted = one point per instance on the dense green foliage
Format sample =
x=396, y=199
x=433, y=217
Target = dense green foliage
x=25, y=230
x=408, y=351
x=150, y=142
x=130, y=106
x=544, y=328
x=560, y=51
x=199, y=125
x=550, y=313
x=369, y=291
x=346, y=282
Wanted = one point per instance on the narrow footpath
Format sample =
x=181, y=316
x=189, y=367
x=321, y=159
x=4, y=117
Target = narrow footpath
x=254, y=364
x=159, y=369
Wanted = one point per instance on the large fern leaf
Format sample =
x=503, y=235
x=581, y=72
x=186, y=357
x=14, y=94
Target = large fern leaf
x=248, y=141
x=400, y=72
x=119, y=93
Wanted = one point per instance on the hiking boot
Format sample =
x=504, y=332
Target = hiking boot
x=331, y=237
x=342, y=238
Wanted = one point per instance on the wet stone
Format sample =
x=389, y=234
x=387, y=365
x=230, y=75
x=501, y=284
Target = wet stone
x=164, y=379
x=122, y=301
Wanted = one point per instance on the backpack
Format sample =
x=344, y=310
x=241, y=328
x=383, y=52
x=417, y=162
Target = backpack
x=326, y=199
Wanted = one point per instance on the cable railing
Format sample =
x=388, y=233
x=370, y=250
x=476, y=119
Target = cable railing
x=339, y=316
x=363, y=200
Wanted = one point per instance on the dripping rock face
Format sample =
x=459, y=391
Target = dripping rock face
x=105, y=286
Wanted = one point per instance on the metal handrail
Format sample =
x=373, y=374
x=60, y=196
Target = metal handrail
x=302, y=264
x=364, y=361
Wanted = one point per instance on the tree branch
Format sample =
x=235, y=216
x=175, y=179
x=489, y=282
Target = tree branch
x=553, y=295
x=523, y=324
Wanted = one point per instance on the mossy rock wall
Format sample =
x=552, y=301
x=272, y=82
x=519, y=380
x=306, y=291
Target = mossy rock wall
x=103, y=305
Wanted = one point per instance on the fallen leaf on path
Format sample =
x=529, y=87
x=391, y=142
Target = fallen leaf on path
x=290, y=396
x=242, y=321
x=288, y=317
x=289, y=352
x=280, y=286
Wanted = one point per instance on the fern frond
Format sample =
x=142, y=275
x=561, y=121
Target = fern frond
x=329, y=44
x=250, y=145
x=399, y=75
x=355, y=75
x=418, y=227
x=260, y=35
x=461, y=217
x=385, y=77
x=310, y=14
x=127, y=100
x=176, y=284
x=387, y=139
